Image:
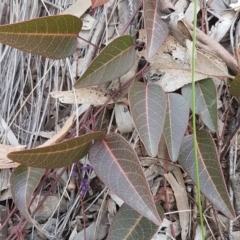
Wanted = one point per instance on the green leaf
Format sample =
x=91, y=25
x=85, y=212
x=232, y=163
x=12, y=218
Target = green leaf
x=212, y=182
x=129, y=225
x=53, y=37
x=24, y=181
x=148, y=107
x=235, y=86
x=118, y=166
x=58, y=155
x=176, y=122
x=115, y=60
x=206, y=101
x=155, y=27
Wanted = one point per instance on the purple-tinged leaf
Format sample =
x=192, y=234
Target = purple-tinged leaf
x=115, y=60
x=24, y=181
x=54, y=36
x=148, y=107
x=212, y=182
x=129, y=224
x=58, y=155
x=156, y=29
x=118, y=166
x=206, y=101
x=176, y=122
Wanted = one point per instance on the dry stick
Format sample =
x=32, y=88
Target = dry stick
x=204, y=17
x=215, y=47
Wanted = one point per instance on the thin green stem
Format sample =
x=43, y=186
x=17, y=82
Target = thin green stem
x=194, y=117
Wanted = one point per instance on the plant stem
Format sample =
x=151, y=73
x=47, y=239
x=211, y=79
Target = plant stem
x=194, y=118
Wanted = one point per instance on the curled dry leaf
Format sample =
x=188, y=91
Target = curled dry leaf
x=173, y=62
x=91, y=95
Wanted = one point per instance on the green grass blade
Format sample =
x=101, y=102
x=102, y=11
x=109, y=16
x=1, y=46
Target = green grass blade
x=194, y=117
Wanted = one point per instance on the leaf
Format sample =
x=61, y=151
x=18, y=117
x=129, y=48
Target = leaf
x=156, y=29
x=98, y=3
x=212, y=182
x=206, y=101
x=235, y=86
x=172, y=63
x=175, y=179
x=53, y=37
x=116, y=163
x=176, y=122
x=115, y=60
x=129, y=224
x=91, y=95
x=24, y=181
x=58, y=155
x=148, y=107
